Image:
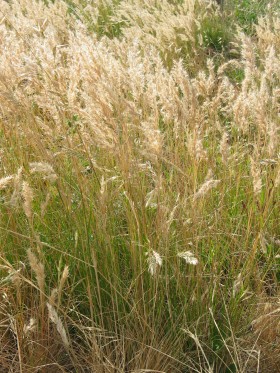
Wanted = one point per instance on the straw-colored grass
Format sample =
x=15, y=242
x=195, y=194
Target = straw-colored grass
x=139, y=186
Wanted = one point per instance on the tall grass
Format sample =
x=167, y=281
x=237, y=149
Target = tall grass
x=139, y=188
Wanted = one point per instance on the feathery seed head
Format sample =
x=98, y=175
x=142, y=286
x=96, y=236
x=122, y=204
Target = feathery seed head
x=189, y=257
x=154, y=261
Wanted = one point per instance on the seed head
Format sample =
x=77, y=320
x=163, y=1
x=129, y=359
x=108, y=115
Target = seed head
x=189, y=257
x=154, y=261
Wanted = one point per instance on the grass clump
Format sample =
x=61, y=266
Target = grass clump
x=216, y=34
x=139, y=188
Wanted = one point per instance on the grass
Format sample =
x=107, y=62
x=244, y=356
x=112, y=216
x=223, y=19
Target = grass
x=139, y=187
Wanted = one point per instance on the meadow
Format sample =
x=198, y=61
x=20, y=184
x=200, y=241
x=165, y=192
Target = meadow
x=139, y=186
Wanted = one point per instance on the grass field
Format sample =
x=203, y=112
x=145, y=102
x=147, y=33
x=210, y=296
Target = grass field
x=139, y=186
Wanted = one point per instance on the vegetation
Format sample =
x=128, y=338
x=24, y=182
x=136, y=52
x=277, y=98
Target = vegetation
x=139, y=186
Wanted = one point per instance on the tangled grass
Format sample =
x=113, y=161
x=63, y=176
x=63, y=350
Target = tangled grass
x=139, y=186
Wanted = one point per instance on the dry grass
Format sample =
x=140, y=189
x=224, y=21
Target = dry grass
x=139, y=187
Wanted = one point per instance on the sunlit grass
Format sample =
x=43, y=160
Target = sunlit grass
x=139, y=187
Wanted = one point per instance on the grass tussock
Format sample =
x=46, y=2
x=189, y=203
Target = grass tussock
x=139, y=186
